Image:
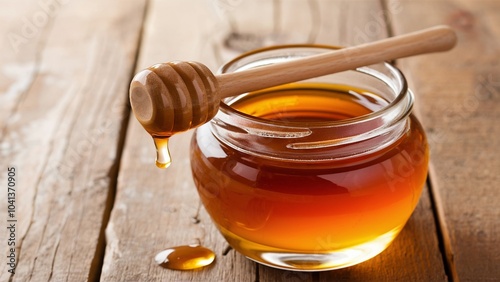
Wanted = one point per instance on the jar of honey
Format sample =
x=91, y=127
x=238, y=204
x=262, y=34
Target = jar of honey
x=314, y=175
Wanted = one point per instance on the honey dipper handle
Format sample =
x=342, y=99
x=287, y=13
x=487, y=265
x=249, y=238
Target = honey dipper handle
x=435, y=39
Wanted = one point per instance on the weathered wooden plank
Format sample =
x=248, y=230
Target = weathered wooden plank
x=155, y=208
x=458, y=96
x=66, y=66
x=15, y=78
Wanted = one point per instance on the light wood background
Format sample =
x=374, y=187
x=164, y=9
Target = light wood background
x=91, y=205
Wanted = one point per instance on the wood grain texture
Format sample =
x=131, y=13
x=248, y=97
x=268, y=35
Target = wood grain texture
x=64, y=68
x=156, y=209
x=458, y=96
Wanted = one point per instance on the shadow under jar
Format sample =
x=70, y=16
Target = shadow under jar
x=315, y=175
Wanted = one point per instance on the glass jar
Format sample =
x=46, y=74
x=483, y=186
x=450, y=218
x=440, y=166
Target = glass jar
x=315, y=175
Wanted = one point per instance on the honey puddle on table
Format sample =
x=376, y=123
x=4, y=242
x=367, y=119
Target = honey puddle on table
x=185, y=257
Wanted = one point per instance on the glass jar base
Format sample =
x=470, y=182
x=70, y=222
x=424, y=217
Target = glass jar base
x=314, y=260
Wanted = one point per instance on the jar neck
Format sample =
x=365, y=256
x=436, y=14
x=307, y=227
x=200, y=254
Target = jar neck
x=317, y=141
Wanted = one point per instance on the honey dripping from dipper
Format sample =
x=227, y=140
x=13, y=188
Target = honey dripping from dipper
x=163, y=158
x=173, y=97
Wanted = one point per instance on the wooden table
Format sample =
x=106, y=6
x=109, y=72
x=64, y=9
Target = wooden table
x=89, y=203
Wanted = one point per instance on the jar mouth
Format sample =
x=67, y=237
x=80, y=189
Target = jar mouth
x=403, y=89
x=386, y=80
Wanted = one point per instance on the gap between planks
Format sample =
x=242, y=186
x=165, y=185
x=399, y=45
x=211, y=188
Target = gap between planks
x=442, y=231
x=98, y=261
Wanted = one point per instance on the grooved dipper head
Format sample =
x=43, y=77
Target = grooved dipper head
x=174, y=97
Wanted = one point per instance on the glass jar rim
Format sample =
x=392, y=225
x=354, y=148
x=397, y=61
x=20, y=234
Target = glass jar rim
x=399, y=97
x=340, y=138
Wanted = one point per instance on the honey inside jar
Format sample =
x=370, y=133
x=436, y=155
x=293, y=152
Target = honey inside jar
x=296, y=213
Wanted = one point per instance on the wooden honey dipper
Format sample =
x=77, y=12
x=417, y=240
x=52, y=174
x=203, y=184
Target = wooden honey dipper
x=173, y=97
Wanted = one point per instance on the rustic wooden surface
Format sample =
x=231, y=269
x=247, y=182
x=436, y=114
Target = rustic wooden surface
x=91, y=205
x=459, y=103
x=65, y=69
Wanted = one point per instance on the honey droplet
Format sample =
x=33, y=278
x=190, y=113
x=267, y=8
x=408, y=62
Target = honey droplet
x=185, y=257
x=163, y=159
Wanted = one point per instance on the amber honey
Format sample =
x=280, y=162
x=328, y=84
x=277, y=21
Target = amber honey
x=186, y=257
x=308, y=209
